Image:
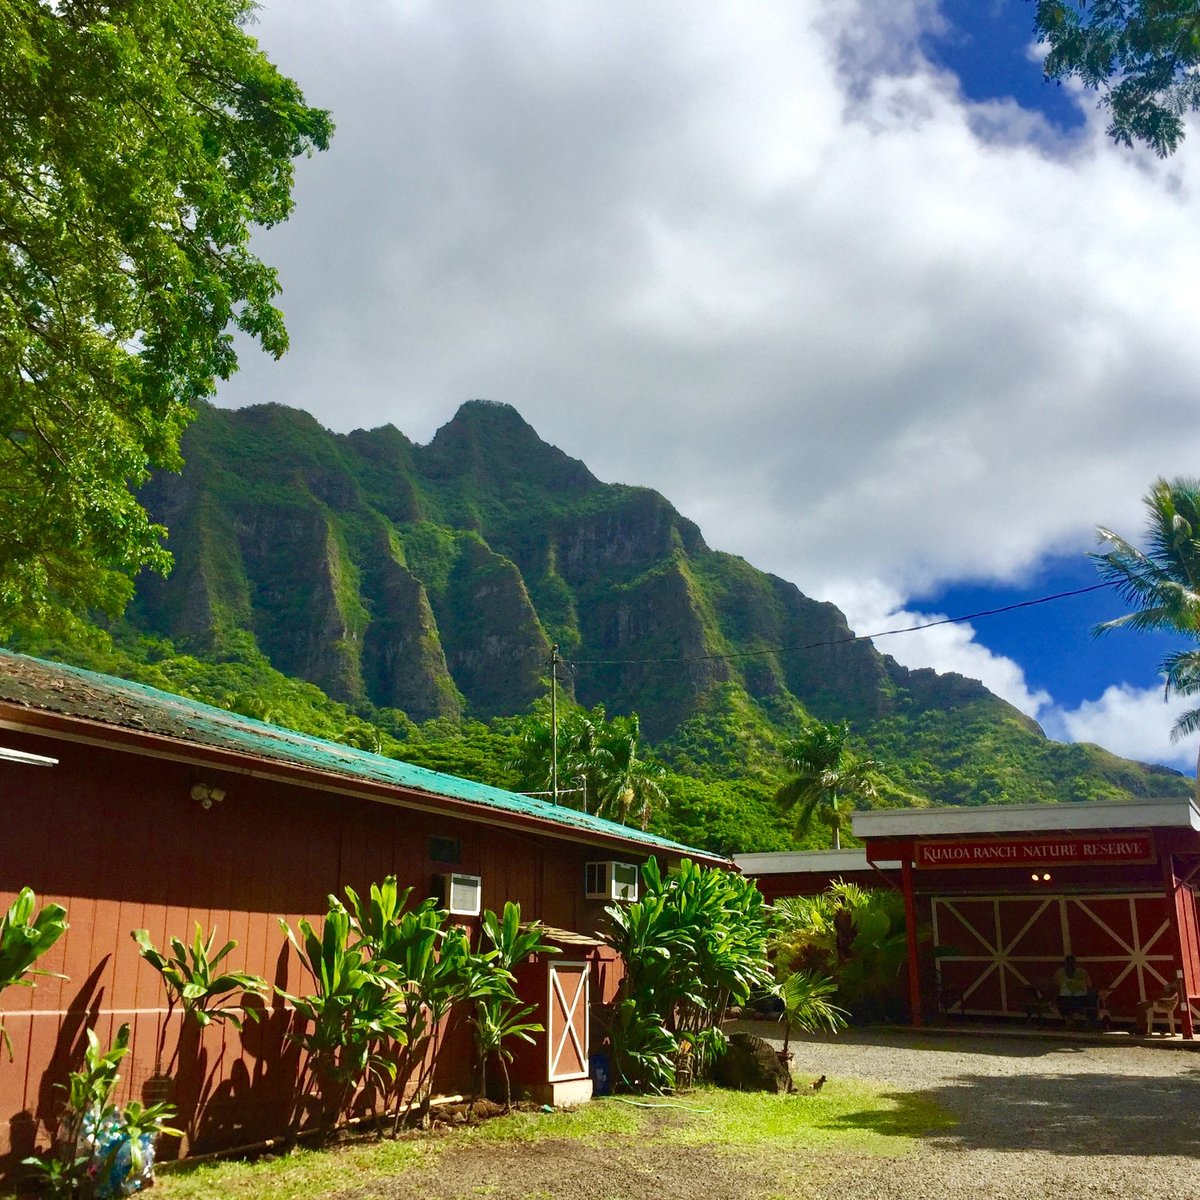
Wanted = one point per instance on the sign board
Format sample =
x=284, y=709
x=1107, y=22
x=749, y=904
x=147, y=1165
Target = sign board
x=1062, y=850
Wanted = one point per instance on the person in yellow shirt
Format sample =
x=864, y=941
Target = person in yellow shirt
x=1075, y=995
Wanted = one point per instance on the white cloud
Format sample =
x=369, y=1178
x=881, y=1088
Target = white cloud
x=943, y=647
x=1133, y=722
x=765, y=258
x=1130, y=721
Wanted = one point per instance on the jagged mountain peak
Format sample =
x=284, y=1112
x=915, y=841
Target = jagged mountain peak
x=492, y=443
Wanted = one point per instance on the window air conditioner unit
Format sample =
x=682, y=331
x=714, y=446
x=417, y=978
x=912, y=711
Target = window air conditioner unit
x=460, y=895
x=611, y=881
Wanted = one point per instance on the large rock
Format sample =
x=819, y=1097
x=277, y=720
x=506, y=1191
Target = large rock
x=751, y=1065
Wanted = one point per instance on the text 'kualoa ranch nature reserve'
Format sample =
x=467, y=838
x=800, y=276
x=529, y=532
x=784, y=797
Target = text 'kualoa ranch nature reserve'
x=1020, y=852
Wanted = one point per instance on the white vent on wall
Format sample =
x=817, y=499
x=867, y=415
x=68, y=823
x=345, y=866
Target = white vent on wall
x=461, y=895
x=611, y=881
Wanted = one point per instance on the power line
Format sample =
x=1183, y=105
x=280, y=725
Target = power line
x=858, y=637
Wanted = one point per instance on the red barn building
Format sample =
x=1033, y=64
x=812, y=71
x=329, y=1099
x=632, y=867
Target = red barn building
x=153, y=811
x=997, y=896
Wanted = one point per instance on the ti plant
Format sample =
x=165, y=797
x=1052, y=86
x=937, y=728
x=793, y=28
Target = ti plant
x=500, y=1017
x=352, y=1013
x=24, y=938
x=194, y=980
x=695, y=943
x=90, y=1089
x=426, y=958
x=102, y=1151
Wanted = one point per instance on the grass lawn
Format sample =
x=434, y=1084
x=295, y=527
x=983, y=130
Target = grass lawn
x=710, y=1138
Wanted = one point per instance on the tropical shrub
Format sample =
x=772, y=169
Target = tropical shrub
x=500, y=1016
x=102, y=1150
x=352, y=1013
x=194, y=981
x=856, y=936
x=24, y=938
x=694, y=944
x=807, y=1005
x=431, y=967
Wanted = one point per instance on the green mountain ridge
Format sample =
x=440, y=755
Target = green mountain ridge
x=425, y=584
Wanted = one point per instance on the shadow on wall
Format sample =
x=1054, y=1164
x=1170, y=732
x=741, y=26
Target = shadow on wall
x=256, y=1099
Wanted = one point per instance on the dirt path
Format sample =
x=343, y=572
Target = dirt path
x=1036, y=1120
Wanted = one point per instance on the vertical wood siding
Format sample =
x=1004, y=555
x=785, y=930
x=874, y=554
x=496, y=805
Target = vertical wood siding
x=118, y=840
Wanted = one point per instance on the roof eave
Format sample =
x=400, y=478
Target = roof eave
x=84, y=730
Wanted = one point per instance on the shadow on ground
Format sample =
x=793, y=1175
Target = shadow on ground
x=1072, y=1114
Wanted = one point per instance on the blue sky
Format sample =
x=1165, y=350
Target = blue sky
x=879, y=309
x=986, y=44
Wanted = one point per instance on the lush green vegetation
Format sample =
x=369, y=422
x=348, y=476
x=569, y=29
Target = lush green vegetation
x=1163, y=582
x=26, y=933
x=593, y=761
x=386, y=977
x=402, y=598
x=1144, y=55
x=853, y=936
x=142, y=144
x=693, y=944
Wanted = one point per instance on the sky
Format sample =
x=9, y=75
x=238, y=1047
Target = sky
x=846, y=281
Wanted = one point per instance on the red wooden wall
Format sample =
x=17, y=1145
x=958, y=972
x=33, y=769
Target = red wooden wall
x=995, y=947
x=118, y=840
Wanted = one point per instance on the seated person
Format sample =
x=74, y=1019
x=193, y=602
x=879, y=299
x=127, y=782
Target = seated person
x=1075, y=994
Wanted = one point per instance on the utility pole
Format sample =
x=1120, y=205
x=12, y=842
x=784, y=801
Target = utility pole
x=554, y=722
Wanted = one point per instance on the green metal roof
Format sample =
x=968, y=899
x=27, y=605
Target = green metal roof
x=72, y=691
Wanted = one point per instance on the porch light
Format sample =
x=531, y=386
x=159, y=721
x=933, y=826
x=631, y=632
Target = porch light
x=207, y=795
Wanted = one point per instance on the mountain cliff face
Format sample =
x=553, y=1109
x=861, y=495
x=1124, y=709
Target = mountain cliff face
x=434, y=579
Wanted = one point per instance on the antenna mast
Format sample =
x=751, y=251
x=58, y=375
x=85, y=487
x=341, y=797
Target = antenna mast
x=554, y=722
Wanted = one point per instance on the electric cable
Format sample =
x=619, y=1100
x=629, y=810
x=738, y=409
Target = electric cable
x=854, y=637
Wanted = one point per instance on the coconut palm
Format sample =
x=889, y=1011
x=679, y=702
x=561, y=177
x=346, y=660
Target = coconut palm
x=627, y=782
x=598, y=757
x=827, y=776
x=1163, y=582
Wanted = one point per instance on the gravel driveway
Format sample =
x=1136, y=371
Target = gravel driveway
x=1036, y=1117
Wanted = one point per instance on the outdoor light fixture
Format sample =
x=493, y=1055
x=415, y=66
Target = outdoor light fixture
x=208, y=796
x=1046, y=877
x=30, y=760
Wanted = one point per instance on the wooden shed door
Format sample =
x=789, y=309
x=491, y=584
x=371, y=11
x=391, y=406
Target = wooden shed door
x=567, y=1021
x=993, y=947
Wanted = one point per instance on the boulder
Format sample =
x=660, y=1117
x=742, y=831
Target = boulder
x=751, y=1065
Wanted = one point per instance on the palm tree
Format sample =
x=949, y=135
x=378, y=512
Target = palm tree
x=627, y=781
x=1163, y=582
x=826, y=772
x=599, y=756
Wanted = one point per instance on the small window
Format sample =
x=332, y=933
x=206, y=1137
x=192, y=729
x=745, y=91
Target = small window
x=445, y=850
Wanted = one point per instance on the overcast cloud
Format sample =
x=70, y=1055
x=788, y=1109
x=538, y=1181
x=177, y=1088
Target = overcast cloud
x=764, y=258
